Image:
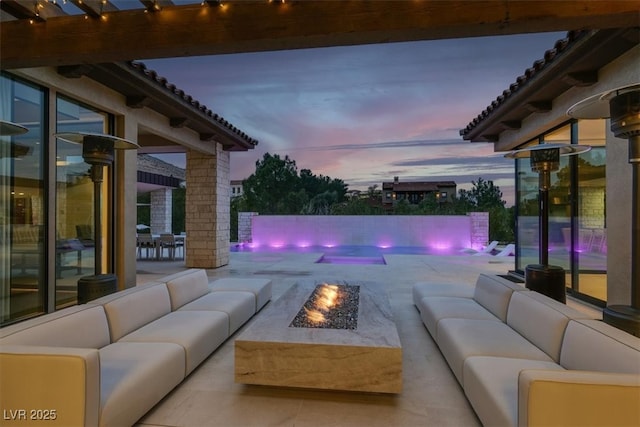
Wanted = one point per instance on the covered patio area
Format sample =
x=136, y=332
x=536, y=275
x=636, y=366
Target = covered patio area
x=431, y=396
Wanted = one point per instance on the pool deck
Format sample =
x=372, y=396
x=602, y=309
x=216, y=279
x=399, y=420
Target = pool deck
x=430, y=395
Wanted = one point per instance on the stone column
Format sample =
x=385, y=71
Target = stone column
x=207, y=220
x=161, y=214
x=244, y=226
x=479, y=229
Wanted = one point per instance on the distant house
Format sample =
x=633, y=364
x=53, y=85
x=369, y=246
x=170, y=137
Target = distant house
x=236, y=188
x=416, y=191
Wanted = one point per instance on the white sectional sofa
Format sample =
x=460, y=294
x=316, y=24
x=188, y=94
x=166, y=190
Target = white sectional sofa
x=108, y=362
x=524, y=359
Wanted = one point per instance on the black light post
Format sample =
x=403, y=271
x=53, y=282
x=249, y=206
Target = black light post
x=97, y=150
x=545, y=158
x=622, y=105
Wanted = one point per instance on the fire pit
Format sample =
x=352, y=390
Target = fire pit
x=333, y=336
x=330, y=306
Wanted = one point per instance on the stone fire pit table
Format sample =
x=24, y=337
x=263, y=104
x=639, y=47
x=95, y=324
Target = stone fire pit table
x=333, y=336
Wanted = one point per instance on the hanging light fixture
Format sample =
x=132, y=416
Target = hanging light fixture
x=545, y=158
x=98, y=150
x=622, y=106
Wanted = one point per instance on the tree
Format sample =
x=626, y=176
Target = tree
x=486, y=197
x=267, y=188
x=276, y=188
x=483, y=195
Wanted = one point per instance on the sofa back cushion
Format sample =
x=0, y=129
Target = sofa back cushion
x=541, y=320
x=187, y=287
x=593, y=345
x=136, y=309
x=494, y=293
x=83, y=326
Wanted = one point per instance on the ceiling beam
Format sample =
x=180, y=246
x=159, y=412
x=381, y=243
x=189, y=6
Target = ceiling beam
x=249, y=26
x=95, y=8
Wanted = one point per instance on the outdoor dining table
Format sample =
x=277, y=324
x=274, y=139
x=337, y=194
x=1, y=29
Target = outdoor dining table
x=155, y=244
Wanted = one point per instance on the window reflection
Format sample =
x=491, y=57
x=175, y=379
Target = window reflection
x=22, y=213
x=74, y=200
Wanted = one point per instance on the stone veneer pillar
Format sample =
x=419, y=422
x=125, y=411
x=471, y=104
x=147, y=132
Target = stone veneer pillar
x=479, y=229
x=161, y=210
x=244, y=226
x=207, y=209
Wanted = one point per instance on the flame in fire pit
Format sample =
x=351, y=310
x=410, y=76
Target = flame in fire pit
x=330, y=306
x=328, y=297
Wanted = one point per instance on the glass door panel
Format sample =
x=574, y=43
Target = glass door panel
x=75, y=241
x=22, y=213
x=591, y=238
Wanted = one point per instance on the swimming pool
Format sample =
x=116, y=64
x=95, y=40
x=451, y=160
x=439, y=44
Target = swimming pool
x=348, y=250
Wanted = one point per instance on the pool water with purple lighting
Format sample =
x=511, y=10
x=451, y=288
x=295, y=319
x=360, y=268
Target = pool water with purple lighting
x=348, y=254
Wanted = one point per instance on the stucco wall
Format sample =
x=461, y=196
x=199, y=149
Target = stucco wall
x=437, y=232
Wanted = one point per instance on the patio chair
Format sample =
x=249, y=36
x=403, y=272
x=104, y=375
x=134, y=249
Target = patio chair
x=508, y=250
x=168, y=241
x=488, y=250
x=146, y=242
x=85, y=235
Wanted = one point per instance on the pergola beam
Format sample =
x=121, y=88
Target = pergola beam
x=248, y=26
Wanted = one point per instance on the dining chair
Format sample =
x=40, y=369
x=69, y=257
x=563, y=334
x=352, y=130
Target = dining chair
x=168, y=242
x=146, y=242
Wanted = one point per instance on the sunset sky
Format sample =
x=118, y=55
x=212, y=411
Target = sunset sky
x=365, y=114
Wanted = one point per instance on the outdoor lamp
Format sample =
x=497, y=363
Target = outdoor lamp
x=98, y=150
x=622, y=106
x=545, y=158
x=12, y=129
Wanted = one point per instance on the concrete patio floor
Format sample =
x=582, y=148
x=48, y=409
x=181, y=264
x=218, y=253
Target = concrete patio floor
x=430, y=397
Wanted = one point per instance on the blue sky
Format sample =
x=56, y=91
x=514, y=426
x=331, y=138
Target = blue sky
x=367, y=113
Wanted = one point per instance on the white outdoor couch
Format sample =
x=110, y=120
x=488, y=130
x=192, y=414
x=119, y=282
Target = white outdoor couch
x=108, y=362
x=524, y=359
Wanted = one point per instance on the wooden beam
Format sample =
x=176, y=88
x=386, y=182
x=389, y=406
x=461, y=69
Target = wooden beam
x=250, y=26
x=539, y=106
x=138, y=101
x=95, y=8
x=583, y=78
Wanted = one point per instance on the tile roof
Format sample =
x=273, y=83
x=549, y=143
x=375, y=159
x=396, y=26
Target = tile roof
x=550, y=56
x=187, y=99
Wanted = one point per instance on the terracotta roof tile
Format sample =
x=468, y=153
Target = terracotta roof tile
x=522, y=80
x=153, y=76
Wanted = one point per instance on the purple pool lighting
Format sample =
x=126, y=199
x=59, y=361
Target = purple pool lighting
x=358, y=260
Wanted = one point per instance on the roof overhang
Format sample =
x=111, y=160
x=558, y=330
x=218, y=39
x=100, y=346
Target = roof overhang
x=575, y=61
x=143, y=88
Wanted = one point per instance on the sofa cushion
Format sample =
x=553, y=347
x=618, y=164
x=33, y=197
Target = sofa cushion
x=541, y=320
x=136, y=376
x=436, y=308
x=593, y=345
x=63, y=379
x=462, y=338
x=494, y=294
x=491, y=385
x=199, y=333
x=422, y=290
x=186, y=287
x=136, y=309
x=261, y=288
x=239, y=306
x=79, y=326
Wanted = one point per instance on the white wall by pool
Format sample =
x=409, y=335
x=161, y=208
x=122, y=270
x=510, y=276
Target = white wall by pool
x=438, y=232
